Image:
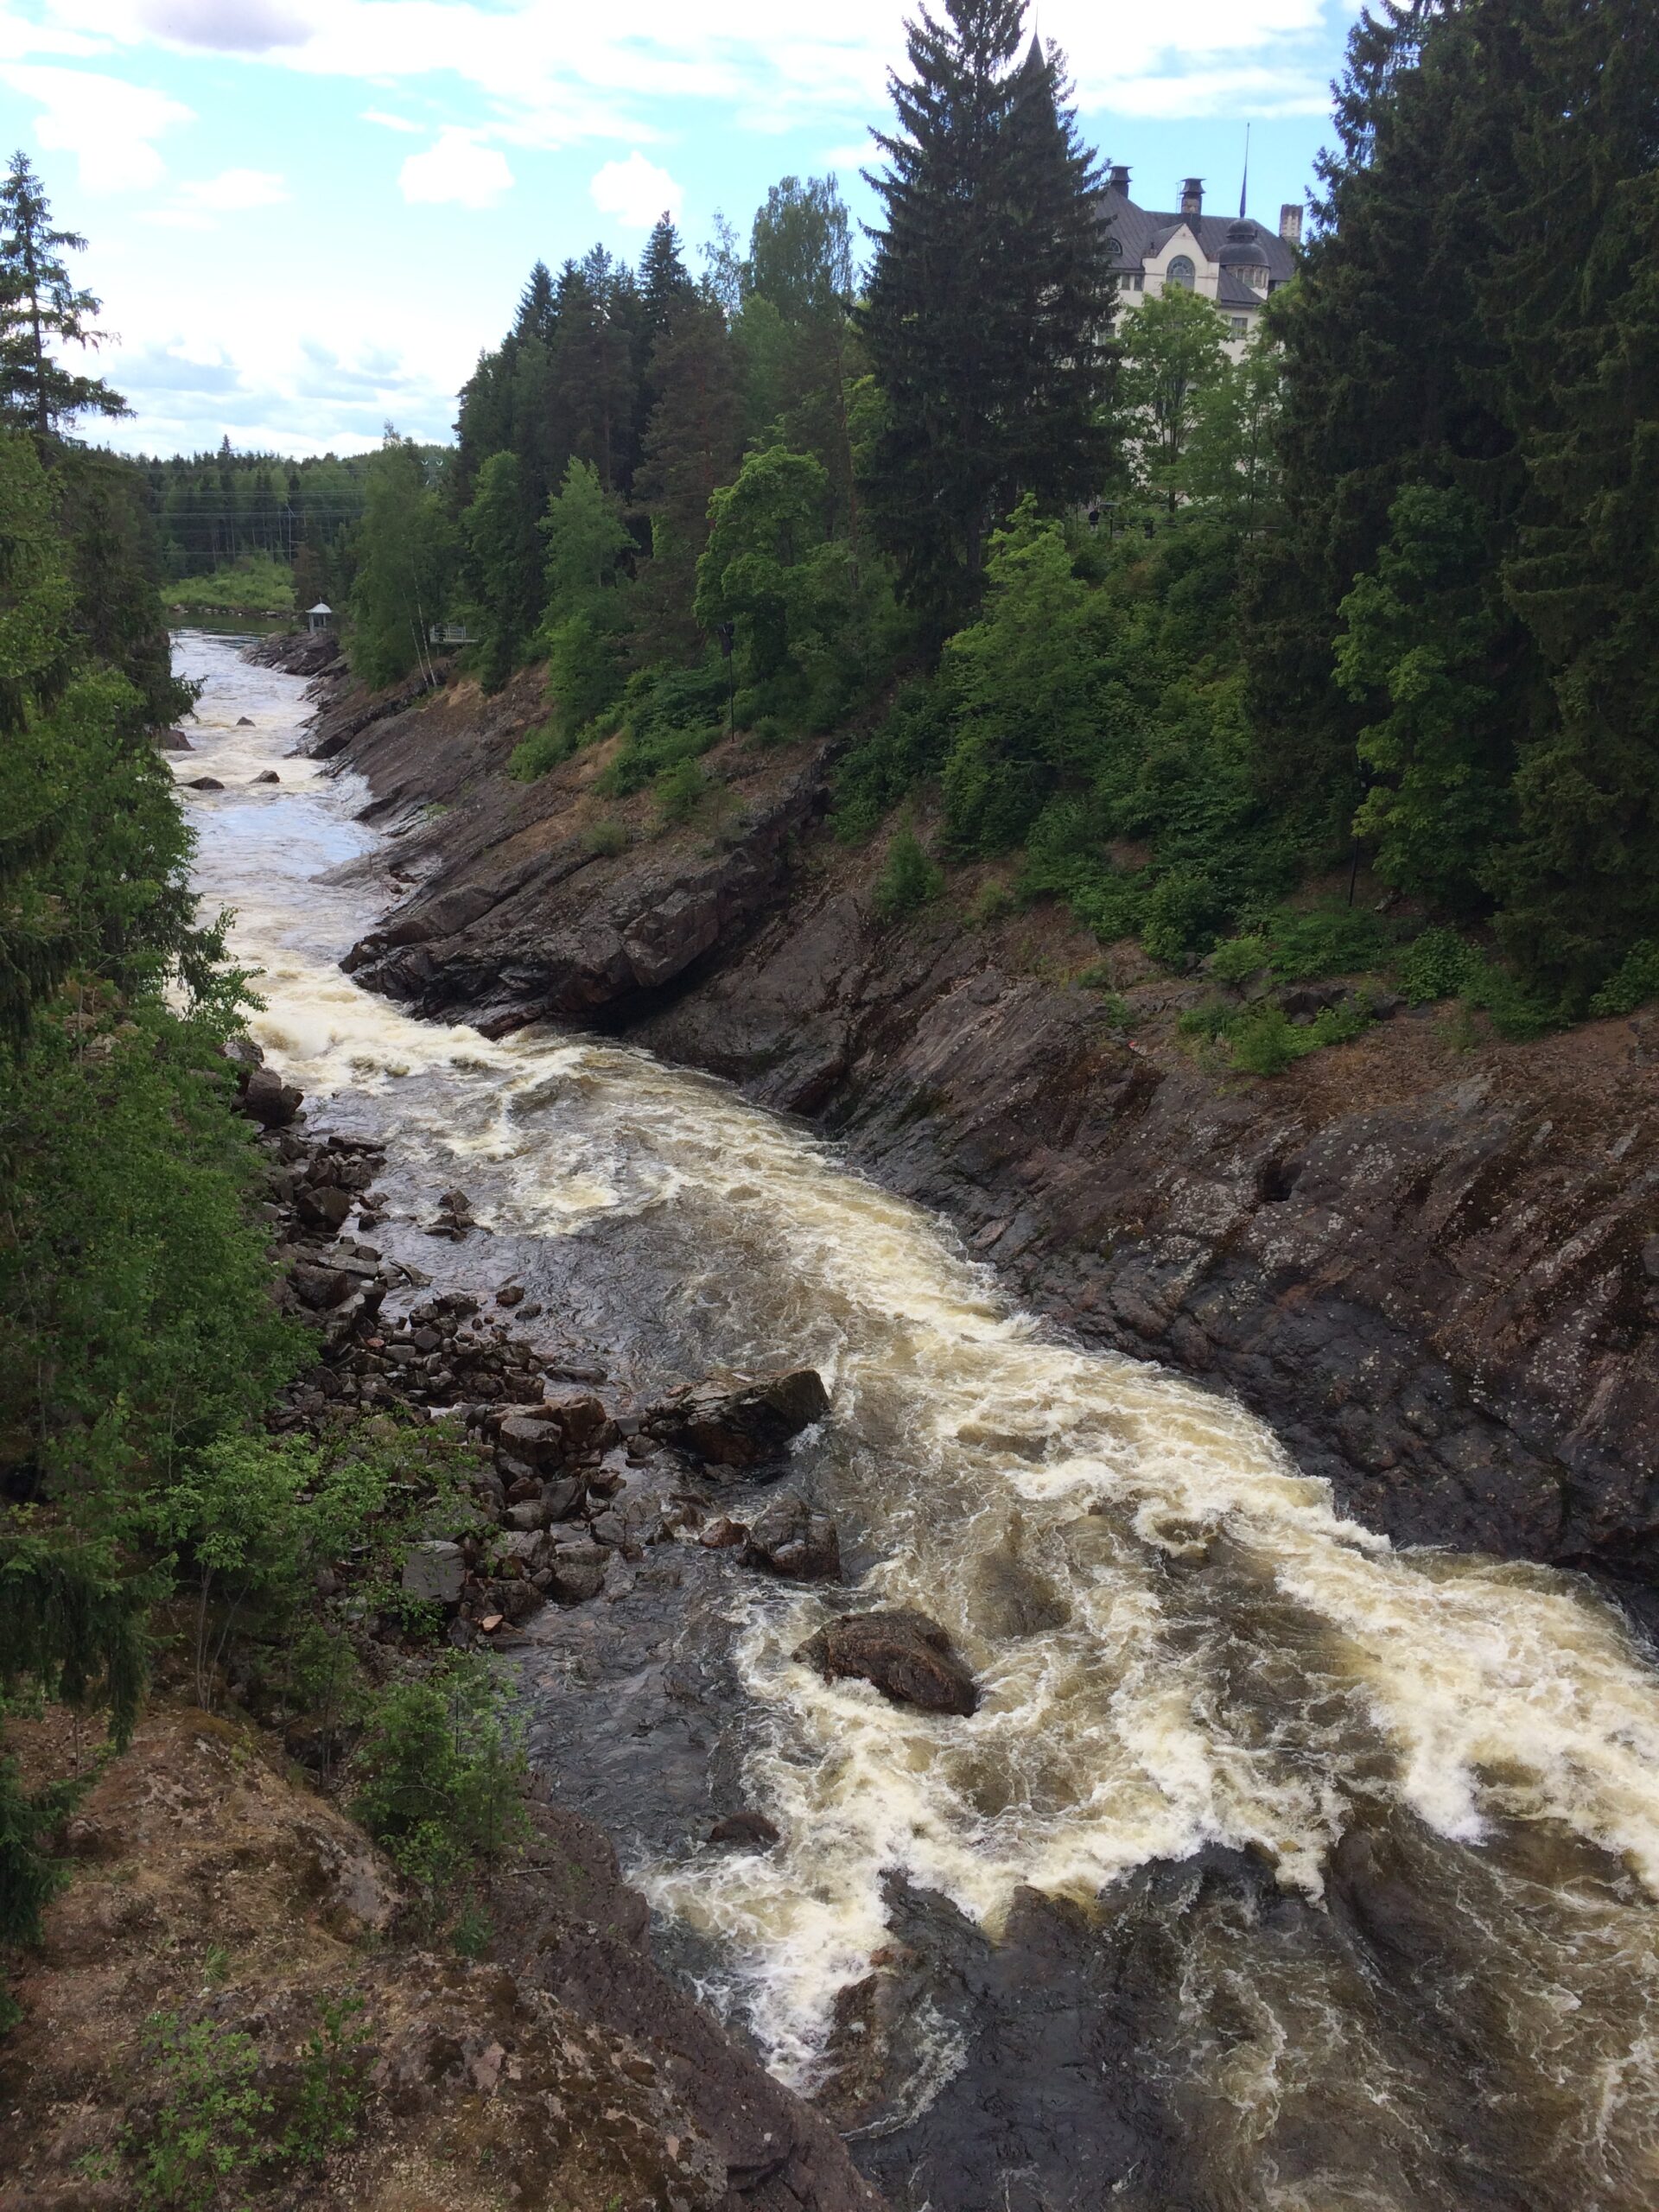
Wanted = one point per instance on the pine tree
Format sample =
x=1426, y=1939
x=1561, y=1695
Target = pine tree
x=41, y=307
x=665, y=286
x=989, y=303
x=502, y=567
x=692, y=447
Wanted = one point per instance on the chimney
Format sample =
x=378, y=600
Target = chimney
x=1290, y=223
x=1192, y=195
x=1118, y=178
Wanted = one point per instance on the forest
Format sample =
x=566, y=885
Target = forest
x=1178, y=632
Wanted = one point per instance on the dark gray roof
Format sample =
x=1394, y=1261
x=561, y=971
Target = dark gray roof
x=1232, y=291
x=1141, y=233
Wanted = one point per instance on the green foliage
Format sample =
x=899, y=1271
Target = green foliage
x=908, y=879
x=206, y=2127
x=668, y=715
x=680, y=790
x=1173, y=354
x=439, y=1771
x=1263, y=1040
x=404, y=554
x=41, y=311
x=1331, y=940
x=498, y=535
x=608, y=839
x=1633, y=984
x=1438, y=965
x=257, y=583
x=988, y=309
x=908, y=747
x=329, y=2106
x=71, y=1624
x=1238, y=959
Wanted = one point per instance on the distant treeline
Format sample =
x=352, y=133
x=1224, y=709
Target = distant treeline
x=212, y=510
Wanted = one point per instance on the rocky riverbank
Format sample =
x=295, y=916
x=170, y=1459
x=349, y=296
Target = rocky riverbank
x=1430, y=1259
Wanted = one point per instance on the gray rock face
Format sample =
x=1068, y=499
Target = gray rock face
x=434, y=1571
x=788, y=1538
x=749, y=1426
x=268, y=1100
x=909, y=1658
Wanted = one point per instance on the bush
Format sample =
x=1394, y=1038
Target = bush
x=668, y=715
x=606, y=839
x=440, y=1773
x=204, y=2128
x=1436, y=965
x=1636, y=981
x=1328, y=941
x=908, y=880
x=331, y=2092
x=879, y=771
x=1238, y=959
x=679, y=791
x=544, y=748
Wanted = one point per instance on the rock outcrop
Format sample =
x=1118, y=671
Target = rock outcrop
x=1429, y=1265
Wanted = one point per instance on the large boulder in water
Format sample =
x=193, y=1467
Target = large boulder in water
x=909, y=1658
x=745, y=1427
x=788, y=1538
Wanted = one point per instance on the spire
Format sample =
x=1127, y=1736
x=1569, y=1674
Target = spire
x=1244, y=185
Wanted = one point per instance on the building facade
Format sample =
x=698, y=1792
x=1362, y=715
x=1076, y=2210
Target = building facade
x=1235, y=262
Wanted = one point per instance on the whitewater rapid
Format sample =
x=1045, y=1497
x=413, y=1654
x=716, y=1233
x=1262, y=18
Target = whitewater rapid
x=1181, y=1640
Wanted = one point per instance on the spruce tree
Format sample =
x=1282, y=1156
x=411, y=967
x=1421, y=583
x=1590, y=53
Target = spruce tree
x=989, y=303
x=40, y=308
x=665, y=282
x=1574, y=291
x=692, y=447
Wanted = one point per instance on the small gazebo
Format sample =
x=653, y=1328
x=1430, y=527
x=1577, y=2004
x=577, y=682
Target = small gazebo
x=320, y=617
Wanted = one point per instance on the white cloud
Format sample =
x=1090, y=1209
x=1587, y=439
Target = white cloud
x=390, y=122
x=636, y=192
x=557, y=75
x=457, y=170
x=107, y=124
x=195, y=205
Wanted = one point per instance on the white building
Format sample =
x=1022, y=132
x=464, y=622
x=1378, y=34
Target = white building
x=1235, y=262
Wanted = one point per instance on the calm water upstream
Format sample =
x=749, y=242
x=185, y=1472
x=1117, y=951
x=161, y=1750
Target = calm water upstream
x=1440, y=1992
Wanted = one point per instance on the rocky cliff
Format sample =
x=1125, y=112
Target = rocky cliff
x=1431, y=1260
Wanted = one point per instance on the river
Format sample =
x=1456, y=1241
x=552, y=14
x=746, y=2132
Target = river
x=1279, y=1867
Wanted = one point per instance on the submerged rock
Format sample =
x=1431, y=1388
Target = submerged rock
x=204, y=784
x=746, y=1426
x=753, y=1829
x=788, y=1538
x=908, y=1657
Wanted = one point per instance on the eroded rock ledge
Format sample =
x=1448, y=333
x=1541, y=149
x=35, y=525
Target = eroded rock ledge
x=1435, y=1271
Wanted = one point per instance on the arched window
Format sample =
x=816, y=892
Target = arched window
x=1180, y=271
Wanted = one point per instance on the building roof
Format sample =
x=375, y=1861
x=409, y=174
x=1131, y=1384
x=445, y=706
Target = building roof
x=322, y=607
x=1232, y=291
x=1143, y=233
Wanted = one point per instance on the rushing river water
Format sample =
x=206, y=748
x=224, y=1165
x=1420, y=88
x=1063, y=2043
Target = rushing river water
x=1350, y=1852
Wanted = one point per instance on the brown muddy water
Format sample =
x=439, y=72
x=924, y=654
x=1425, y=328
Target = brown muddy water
x=1279, y=1867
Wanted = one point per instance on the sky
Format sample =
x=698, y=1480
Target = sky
x=307, y=218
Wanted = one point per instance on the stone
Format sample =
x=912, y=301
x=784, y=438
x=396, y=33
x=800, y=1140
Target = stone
x=908, y=1657
x=175, y=741
x=537, y=1443
x=244, y=722
x=325, y=1209
x=434, y=1571
x=204, y=784
x=580, y=1418
x=561, y=1498
x=788, y=1538
x=722, y=1535
x=268, y=776
x=321, y=1287
x=531, y=1515
x=268, y=1100
x=578, y=1573
x=753, y=1830
x=510, y=1293
x=609, y=1528
x=749, y=1427
x=527, y=1547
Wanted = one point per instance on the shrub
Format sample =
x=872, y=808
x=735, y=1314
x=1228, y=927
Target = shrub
x=908, y=880
x=1238, y=959
x=1635, y=981
x=1328, y=941
x=606, y=839
x=1436, y=965
x=331, y=2093
x=878, y=771
x=679, y=791
x=440, y=1773
x=544, y=748
x=204, y=2128
x=1266, y=1042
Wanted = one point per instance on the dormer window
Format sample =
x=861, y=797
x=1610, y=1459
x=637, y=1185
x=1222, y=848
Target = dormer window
x=1180, y=271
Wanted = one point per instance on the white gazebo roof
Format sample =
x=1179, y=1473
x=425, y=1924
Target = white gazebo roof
x=322, y=607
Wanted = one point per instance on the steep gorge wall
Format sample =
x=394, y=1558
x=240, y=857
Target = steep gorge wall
x=1434, y=1270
